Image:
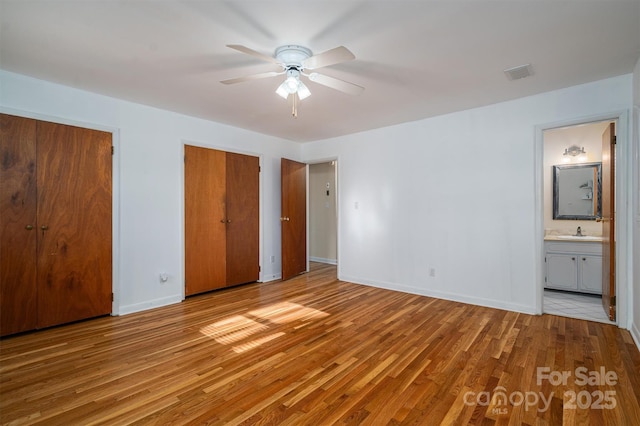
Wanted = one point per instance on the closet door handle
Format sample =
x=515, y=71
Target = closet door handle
x=28, y=227
x=44, y=228
x=228, y=220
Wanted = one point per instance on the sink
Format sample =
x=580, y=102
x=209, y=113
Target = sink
x=576, y=238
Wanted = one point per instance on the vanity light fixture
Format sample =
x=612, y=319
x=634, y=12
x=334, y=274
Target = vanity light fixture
x=574, y=150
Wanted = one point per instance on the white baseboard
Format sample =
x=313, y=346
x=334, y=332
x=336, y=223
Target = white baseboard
x=323, y=260
x=156, y=303
x=273, y=277
x=635, y=334
x=489, y=303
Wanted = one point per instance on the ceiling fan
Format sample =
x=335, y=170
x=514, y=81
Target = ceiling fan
x=295, y=61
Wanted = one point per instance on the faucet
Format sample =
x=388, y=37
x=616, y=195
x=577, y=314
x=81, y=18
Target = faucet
x=579, y=232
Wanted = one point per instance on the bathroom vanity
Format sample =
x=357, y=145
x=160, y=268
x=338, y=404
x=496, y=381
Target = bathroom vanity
x=573, y=264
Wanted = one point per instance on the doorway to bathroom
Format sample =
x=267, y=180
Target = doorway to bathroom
x=579, y=249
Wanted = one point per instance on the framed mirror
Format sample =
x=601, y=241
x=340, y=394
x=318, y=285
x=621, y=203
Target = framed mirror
x=577, y=191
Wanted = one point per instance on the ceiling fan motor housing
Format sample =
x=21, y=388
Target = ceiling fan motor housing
x=292, y=56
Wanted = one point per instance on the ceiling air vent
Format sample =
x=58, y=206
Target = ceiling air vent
x=521, y=71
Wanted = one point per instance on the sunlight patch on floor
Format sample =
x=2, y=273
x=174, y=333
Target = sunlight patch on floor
x=233, y=329
x=285, y=312
x=255, y=343
x=236, y=328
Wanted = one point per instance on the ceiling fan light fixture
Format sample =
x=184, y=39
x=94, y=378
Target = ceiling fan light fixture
x=303, y=91
x=282, y=90
x=291, y=84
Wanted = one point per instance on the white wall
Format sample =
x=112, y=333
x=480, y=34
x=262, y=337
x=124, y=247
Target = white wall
x=454, y=197
x=149, y=180
x=451, y=196
x=635, y=188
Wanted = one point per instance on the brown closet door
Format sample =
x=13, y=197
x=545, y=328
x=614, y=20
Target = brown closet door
x=18, y=296
x=205, y=219
x=243, y=185
x=74, y=223
x=294, y=217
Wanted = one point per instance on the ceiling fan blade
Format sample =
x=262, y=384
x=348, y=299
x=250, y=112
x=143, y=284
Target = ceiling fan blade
x=251, y=77
x=252, y=52
x=330, y=57
x=335, y=83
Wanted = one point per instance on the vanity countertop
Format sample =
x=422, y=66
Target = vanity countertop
x=573, y=238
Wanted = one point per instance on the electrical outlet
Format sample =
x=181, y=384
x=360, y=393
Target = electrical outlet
x=273, y=259
x=432, y=272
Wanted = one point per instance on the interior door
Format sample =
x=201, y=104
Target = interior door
x=608, y=222
x=293, y=217
x=74, y=223
x=243, y=227
x=18, y=294
x=205, y=219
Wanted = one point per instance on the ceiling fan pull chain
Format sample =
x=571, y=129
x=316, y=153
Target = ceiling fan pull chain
x=294, y=110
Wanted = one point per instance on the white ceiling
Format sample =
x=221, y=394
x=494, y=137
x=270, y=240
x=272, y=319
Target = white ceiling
x=416, y=59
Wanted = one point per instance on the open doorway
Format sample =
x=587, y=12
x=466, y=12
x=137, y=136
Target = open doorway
x=323, y=213
x=574, y=245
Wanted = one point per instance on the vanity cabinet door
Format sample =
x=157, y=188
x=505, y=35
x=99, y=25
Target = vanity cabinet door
x=562, y=272
x=590, y=273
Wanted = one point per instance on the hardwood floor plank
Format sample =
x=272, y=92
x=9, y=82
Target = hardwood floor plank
x=316, y=350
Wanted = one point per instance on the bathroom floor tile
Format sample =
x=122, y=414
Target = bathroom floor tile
x=573, y=305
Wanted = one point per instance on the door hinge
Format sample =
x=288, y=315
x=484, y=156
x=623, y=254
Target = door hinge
x=112, y=150
x=613, y=301
x=615, y=140
x=259, y=169
x=545, y=279
x=259, y=268
x=112, y=297
x=545, y=259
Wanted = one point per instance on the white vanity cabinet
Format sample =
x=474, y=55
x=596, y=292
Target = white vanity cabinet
x=574, y=266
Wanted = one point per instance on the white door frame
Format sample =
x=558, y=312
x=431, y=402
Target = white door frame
x=624, y=275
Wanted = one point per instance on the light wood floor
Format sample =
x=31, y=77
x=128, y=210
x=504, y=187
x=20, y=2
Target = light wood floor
x=317, y=351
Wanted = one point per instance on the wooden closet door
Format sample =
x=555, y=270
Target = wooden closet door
x=243, y=188
x=205, y=219
x=74, y=223
x=18, y=294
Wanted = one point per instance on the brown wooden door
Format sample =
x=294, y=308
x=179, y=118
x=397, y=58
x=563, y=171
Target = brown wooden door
x=293, y=217
x=74, y=223
x=243, y=189
x=18, y=294
x=608, y=222
x=205, y=219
